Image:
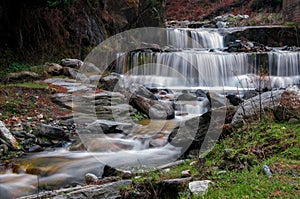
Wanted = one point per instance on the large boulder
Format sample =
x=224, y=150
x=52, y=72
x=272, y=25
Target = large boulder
x=109, y=82
x=194, y=132
x=251, y=109
x=52, y=132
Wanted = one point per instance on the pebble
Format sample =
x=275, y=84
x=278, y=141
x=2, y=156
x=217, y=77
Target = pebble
x=90, y=178
x=186, y=173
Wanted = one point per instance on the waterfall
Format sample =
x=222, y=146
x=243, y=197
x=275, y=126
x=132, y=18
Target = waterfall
x=194, y=38
x=195, y=66
x=284, y=68
x=210, y=69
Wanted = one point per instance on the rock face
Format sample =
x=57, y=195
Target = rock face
x=71, y=26
x=268, y=35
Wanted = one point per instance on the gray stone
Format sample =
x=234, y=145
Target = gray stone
x=51, y=132
x=110, y=82
x=73, y=63
x=154, y=109
x=105, y=126
x=199, y=187
x=90, y=178
x=141, y=91
x=7, y=136
x=35, y=148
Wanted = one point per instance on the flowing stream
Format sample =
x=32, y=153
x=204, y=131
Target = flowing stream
x=195, y=64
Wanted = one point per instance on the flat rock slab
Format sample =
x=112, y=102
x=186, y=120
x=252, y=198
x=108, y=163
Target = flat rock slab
x=107, y=191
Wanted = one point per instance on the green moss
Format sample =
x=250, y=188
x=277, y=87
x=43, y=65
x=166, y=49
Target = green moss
x=33, y=85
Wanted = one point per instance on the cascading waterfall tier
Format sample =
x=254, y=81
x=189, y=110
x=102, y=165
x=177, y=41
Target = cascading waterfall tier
x=194, y=38
x=196, y=66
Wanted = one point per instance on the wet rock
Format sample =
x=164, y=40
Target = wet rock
x=7, y=136
x=154, y=109
x=192, y=132
x=221, y=24
x=110, y=82
x=199, y=187
x=106, y=126
x=201, y=93
x=55, y=69
x=234, y=100
x=142, y=91
x=51, y=132
x=187, y=97
x=23, y=76
x=35, y=148
x=289, y=106
x=90, y=178
x=73, y=63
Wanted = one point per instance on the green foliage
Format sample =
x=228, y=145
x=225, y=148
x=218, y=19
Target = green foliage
x=17, y=67
x=60, y=3
x=138, y=116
